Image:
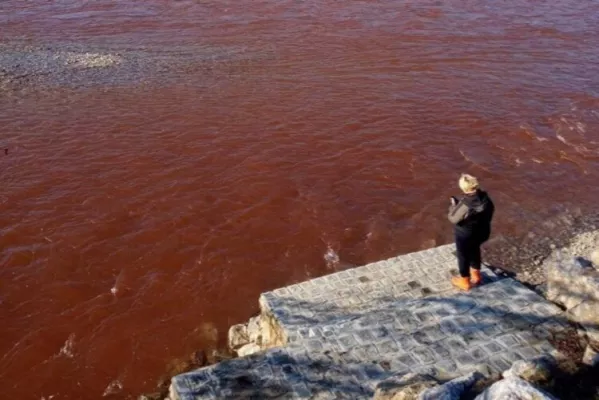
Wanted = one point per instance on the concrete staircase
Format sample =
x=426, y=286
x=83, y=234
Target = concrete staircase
x=337, y=336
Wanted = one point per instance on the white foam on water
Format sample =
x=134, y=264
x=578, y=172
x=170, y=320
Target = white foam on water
x=331, y=258
x=119, y=284
x=561, y=138
x=68, y=347
x=113, y=387
x=531, y=133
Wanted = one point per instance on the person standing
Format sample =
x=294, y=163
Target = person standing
x=471, y=216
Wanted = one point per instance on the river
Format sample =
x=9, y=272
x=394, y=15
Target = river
x=232, y=147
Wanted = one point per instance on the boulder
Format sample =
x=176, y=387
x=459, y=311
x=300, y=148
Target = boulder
x=575, y=284
x=587, y=315
x=513, y=389
x=535, y=371
x=248, y=349
x=572, y=282
x=238, y=336
x=453, y=389
x=254, y=330
x=403, y=387
x=591, y=356
x=271, y=333
x=595, y=258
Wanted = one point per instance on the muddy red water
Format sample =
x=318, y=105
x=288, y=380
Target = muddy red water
x=137, y=216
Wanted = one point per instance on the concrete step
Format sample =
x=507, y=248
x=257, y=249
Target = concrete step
x=350, y=294
x=333, y=347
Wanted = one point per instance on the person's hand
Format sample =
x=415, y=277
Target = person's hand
x=453, y=201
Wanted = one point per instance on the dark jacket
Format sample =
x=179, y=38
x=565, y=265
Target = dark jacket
x=472, y=216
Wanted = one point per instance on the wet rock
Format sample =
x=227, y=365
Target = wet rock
x=513, y=389
x=591, y=356
x=195, y=360
x=536, y=371
x=218, y=355
x=207, y=332
x=199, y=358
x=453, y=389
x=153, y=396
x=248, y=349
x=238, y=336
x=403, y=387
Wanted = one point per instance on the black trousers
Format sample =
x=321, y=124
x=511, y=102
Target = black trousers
x=468, y=253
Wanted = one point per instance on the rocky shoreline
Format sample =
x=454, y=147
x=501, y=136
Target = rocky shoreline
x=567, y=233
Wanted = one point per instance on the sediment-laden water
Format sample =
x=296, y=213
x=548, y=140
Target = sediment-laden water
x=162, y=163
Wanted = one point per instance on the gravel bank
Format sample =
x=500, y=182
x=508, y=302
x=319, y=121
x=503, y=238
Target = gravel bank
x=25, y=67
x=566, y=234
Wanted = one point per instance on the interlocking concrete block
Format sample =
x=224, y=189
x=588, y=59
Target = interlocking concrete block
x=347, y=331
x=492, y=348
x=424, y=355
x=406, y=342
x=499, y=363
x=455, y=344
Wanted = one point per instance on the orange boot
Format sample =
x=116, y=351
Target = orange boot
x=475, y=277
x=461, y=283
